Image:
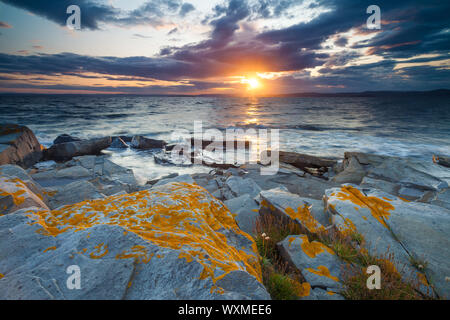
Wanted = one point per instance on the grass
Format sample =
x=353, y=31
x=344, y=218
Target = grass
x=284, y=282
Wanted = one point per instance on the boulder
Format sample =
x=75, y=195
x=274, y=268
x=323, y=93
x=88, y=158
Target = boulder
x=140, y=142
x=118, y=143
x=65, y=138
x=318, y=264
x=169, y=176
x=405, y=229
x=246, y=212
x=292, y=207
x=174, y=242
x=68, y=150
x=18, y=145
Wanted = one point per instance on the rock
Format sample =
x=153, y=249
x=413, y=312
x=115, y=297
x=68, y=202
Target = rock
x=292, y=207
x=169, y=176
x=397, y=172
x=410, y=193
x=353, y=173
x=69, y=150
x=246, y=210
x=320, y=294
x=318, y=264
x=239, y=186
x=391, y=225
x=14, y=171
x=72, y=193
x=382, y=185
x=303, y=161
x=15, y=195
x=140, y=142
x=442, y=160
x=442, y=199
x=185, y=178
x=65, y=138
x=18, y=145
x=118, y=143
x=175, y=242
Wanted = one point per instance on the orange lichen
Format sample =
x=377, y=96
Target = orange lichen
x=99, y=252
x=303, y=214
x=312, y=249
x=179, y=216
x=50, y=248
x=301, y=289
x=1, y=275
x=422, y=278
x=140, y=253
x=380, y=209
x=324, y=272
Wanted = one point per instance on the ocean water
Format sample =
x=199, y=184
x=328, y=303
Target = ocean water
x=405, y=126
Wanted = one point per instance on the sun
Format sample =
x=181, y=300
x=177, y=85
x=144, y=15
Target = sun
x=252, y=83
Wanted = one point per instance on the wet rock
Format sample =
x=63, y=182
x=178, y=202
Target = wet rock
x=382, y=185
x=140, y=142
x=65, y=138
x=19, y=146
x=318, y=264
x=118, y=143
x=68, y=150
x=134, y=246
x=246, y=210
x=231, y=144
x=292, y=207
x=442, y=199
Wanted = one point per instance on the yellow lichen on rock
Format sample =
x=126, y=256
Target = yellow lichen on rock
x=324, y=272
x=312, y=249
x=303, y=214
x=379, y=208
x=301, y=289
x=177, y=216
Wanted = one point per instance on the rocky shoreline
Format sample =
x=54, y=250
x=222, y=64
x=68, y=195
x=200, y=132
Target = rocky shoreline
x=193, y=236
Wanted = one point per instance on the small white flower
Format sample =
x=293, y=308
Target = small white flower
x=267, y=238
x=263, y=235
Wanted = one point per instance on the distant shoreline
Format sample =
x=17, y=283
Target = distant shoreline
x=367, y=94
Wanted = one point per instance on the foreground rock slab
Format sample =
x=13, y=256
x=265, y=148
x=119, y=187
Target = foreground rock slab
x=318, y=264
x=408, y=230
x=173, y=242
x=18, y=145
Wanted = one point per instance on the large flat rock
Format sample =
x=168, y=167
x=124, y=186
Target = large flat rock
x=173, y=242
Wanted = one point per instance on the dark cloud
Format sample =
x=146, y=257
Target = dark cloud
x=94, y=12
x=409, y=28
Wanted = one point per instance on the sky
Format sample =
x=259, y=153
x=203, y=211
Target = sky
x=238, y=47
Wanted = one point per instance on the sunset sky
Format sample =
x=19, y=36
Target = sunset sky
x=223, y=47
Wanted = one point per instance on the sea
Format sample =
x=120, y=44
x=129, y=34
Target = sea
x=412, y=126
